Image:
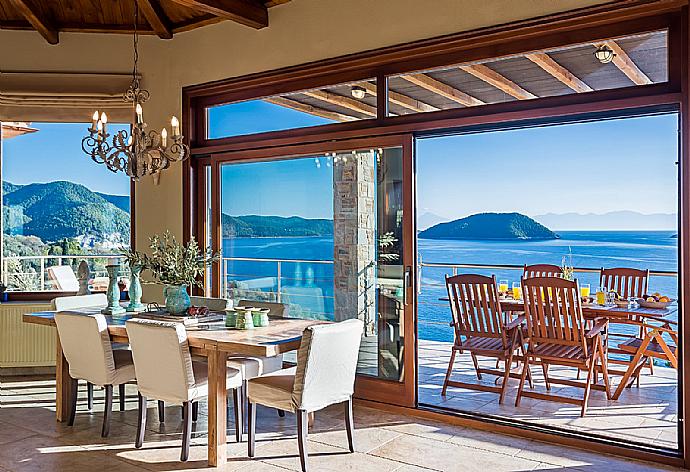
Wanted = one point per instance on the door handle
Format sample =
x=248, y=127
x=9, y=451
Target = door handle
x=407, y=283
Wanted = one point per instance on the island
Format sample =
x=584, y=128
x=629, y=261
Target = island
x=259, y=226
x=490, y=226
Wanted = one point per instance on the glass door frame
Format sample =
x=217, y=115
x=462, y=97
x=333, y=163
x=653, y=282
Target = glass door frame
x=403, y=392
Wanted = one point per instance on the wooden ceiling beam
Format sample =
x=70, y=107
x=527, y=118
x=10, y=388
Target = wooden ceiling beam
x=156, y=18
x=445, y=90
x=312, y=110
x=502, y=83
x=558, y=72
x=246, y=12
x=626, y=64
x=342, y=101
x=400, y=99
x=38, y=21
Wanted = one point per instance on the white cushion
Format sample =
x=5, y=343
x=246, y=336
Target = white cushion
x=252, y=367
x=86, y=344
x=164, y=366
x=79, y=301
x=64, y=278
x=273, y=390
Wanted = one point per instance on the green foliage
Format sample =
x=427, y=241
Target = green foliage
x=488, y=226
x=57, y=210
x=172, y=263
x=274, y=226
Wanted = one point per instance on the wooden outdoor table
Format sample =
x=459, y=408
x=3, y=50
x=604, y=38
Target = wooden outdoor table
x=213, y=341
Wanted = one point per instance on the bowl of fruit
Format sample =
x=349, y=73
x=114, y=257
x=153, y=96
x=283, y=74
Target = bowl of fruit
x=655, y=300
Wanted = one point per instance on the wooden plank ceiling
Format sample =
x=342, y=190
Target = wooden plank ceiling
x=639, y=60
x=161, y=17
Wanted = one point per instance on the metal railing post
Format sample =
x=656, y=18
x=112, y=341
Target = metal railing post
x=43, y=269
x=279, y=287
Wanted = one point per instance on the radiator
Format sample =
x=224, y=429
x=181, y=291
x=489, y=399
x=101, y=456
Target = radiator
x=23, y=344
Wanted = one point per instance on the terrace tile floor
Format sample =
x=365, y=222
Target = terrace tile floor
x=31, y=440
x=646, y=415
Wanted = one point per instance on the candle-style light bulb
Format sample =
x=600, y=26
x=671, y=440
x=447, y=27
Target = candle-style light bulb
x=140, y=113
x=94, y=119
x=164, y=137
x=129, y=140
x=99, y=126
x=104, y=118
x=175, y=123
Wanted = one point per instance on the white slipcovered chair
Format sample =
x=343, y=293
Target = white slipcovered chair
x=324, y=375
x=166, y=372
x=74, y=302
x=87, y=347
x=213, y=304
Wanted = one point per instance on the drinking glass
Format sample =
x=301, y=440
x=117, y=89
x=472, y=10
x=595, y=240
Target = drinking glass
x=503, y=286
x=517, y=291
x=601, y=296
x=584, y=290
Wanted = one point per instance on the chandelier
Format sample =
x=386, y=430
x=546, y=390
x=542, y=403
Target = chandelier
x=138, y=153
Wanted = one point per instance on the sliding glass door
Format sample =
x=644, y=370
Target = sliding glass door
x=325, y=232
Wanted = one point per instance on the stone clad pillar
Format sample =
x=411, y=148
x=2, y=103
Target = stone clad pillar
x=354, y=237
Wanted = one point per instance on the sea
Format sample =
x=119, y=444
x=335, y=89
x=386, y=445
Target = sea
x=308, y=286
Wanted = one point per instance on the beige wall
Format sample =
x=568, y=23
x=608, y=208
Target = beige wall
x=300, y=31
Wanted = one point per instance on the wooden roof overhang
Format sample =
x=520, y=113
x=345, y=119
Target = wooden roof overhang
x=11, y=129
x=160, y=17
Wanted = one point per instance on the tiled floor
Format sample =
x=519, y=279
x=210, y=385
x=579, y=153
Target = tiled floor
x=647, y=414
x=31, y=440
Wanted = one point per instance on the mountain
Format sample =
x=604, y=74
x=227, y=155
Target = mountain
x=8, y=187
x=428, y=219
x=616, y=220
x=57, y=210
x=120, y=201
x=274, y=226
x=490, y=226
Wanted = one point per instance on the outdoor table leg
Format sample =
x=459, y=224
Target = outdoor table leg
x=217, y=404
x=63, y=384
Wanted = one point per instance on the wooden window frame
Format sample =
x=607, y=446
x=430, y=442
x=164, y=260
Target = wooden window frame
x=588, y=24
x=46, y=296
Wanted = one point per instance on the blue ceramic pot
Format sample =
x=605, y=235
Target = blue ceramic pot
x=176, y=299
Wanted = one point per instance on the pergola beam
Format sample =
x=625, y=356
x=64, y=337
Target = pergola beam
x=400, y=99
x=246, y=12
x=342, y=101
x=502, y=83
x=156, y=17
x=310, y=109
x=626, y=64
x=38, y=21
x=445, y=90
x=558, y=72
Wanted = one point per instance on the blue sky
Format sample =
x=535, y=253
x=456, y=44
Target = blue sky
x=54, y=153
x=623, y=164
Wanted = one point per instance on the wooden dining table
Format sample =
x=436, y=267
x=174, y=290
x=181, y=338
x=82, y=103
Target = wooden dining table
x=211, y=340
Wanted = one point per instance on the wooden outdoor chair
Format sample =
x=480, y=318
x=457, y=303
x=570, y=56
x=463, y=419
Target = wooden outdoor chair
x=556, y=335
x=627, y=283
x=481, y=331
x=541, y=270
x=653, y=345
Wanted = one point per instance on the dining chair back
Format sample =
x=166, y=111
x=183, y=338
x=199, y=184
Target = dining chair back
x=162, y=359
x=475, y=306
x=625, y=281
x=79, y=301
x=553, y=311
x=279, y=310
x=541, y=270
x=327, y=364
x=86, y=344
x=213, y=304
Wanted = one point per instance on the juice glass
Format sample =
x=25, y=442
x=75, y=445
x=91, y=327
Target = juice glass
x=601, y=296
x=503, y=286
x=517, y=291
x=584, y=290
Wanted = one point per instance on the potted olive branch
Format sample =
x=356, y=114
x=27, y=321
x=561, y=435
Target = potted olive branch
x=176, y=266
